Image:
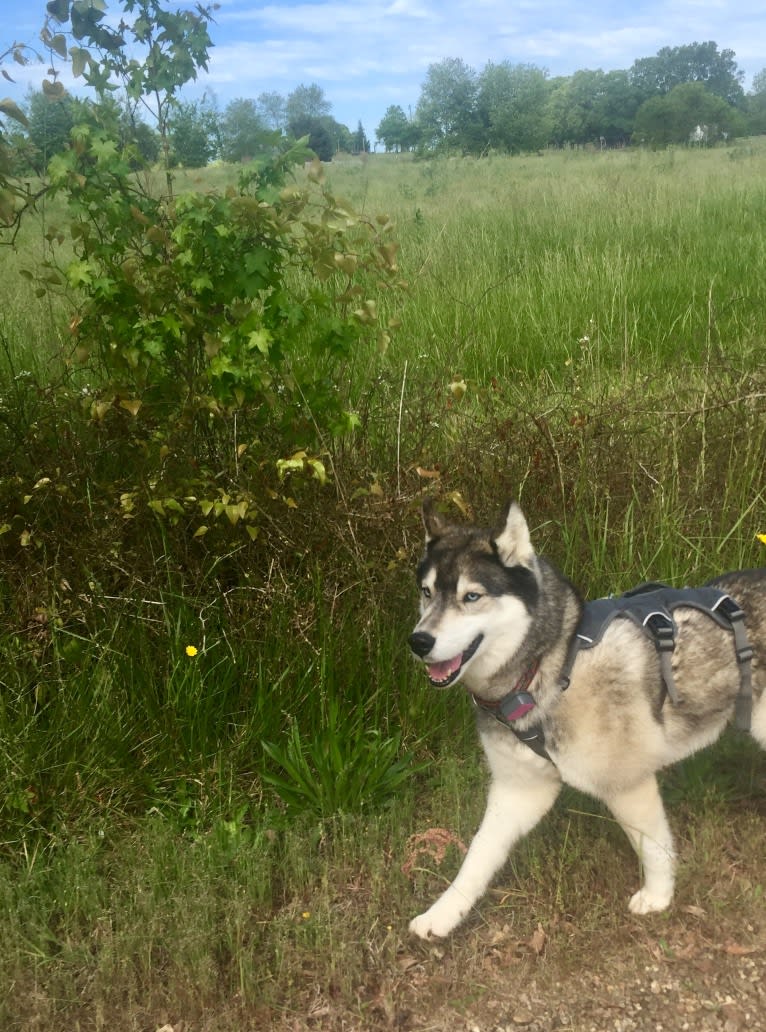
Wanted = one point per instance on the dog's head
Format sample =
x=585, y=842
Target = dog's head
x=478, y=588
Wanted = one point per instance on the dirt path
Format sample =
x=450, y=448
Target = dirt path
x=701, y=967
x=696, y=972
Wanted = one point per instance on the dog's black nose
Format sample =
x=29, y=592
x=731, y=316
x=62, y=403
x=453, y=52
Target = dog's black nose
x=421, y=643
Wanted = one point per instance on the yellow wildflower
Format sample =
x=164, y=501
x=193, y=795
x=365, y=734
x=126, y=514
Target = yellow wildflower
x=761, y=538
x=191, y=650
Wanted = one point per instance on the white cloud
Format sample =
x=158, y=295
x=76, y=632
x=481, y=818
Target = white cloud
x=409, y=10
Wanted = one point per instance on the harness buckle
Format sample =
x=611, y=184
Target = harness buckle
x=744, y=654
x=662, y=631
x=734, y=614
x=730, y=608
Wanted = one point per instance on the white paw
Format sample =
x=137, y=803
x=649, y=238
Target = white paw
x=645, y=902
x=433, y=925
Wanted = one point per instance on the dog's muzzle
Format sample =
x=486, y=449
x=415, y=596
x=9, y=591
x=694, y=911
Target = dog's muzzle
x=445, y=672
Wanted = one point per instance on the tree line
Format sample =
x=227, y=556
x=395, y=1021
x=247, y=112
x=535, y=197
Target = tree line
x=513, y=108
x=682, y=94
x=198, y=131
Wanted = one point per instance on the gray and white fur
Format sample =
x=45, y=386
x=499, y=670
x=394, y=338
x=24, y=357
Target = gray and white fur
x=494, y=614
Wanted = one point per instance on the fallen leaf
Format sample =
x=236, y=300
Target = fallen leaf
x=537, y=940
x=735, y=950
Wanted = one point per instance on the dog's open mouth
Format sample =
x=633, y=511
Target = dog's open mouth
x=442, y=674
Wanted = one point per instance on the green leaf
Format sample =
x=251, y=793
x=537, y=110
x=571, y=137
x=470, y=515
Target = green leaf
x=104, y=150
x=260, y=340
x=79, y=273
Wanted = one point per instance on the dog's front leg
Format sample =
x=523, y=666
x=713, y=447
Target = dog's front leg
x=512, y=811
x=641, y=814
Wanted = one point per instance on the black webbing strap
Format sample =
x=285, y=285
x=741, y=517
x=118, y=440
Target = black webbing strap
x=743, y=709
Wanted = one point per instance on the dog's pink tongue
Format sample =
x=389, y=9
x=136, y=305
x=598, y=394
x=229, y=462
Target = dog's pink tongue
x=441, y=671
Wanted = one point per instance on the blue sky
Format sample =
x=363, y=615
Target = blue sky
x=373, y=53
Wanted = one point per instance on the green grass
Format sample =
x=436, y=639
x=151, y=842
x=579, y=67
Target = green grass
x=645, y=254
x=157, y=863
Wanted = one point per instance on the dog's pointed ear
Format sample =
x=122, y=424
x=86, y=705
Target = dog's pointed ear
x=512, y=540
x=434, y=523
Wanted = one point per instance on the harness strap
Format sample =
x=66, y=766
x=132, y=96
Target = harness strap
x=661, y=630
x=534, y=737
x=743, y=708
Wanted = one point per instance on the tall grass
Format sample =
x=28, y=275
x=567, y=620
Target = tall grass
x=645, y=254
x=192, y=834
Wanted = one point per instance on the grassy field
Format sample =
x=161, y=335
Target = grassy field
x=583, y=332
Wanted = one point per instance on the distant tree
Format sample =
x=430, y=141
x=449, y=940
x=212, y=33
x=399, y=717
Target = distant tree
x=673, y=118
x=18, y=157
x=325, y=135
x=272, y=108
x=616, y=105
x=392, y=128
x=573, y=108
x=695, y=62
x=50, y=119
x=194, y=130
x=413, y=137
x=307, y=111
x=147, y=140
x=447, y=110
x=512, y=101
x=344, y=138
x=305, y=102
x=243, y=133
x=591, y=106
x=396, y=132
x=361, y=143
x=756, y=104
x=652, y=125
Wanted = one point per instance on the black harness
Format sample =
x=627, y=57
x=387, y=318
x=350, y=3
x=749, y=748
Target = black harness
x=650, y=607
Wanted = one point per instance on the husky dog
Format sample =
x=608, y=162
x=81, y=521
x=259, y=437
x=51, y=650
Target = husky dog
x=505, y=623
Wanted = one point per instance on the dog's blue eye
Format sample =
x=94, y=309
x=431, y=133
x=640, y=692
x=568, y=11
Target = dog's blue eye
x=426, y=592
x=471, y=596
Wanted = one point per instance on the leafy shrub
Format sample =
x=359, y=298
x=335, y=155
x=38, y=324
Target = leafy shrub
x=200, y=313
x=202, y=318
x=204, y=303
